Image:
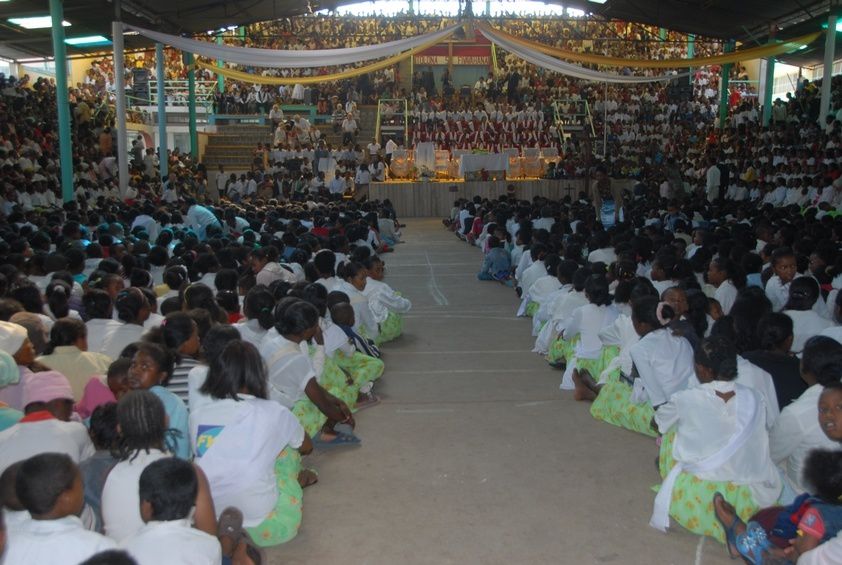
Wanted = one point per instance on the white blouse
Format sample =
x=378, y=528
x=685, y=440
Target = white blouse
x=289, y=368
x=664, y=364
x=805, y=324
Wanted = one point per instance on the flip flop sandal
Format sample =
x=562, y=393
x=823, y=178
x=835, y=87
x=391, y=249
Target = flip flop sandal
x=230, y=524
x=256, y=554
x=753, y=543
x=730, y=534
x=314, y=474
x=341, y=440
x=344, y=429
x=369, y=401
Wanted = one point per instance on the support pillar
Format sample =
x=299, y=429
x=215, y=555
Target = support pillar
x=829, y=53
x=62, y=101
x=120, y=93
x=487, y=8
x=162, y=111
x=725, y=78
x=662, y=34
x=191, y=107
x=220, y=80
x=691, y=52
x=768, y=87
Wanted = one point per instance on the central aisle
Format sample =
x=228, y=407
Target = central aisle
x=474, y=455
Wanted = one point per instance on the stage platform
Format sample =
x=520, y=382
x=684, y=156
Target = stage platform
x=435, y=199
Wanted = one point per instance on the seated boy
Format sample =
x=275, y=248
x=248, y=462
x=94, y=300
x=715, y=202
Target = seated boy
x=168, y=490
x=50, y=487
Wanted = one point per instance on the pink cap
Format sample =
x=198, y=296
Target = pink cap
x=46, y=387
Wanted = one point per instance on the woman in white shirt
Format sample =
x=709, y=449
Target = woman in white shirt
x=563, y=306
x=586, y=323
x=354, y=279
x=728, y=278
x=257, y=309
x=715, y=440
x=803, y=294
x=143, y=427
x=797, y=431
x=250, y=447
x=662, y=364
x=293, y=379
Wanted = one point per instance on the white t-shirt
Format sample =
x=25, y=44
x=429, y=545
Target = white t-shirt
x=174, y=542
x=58, y=542
x=251, y=331
x=110, y=337
x=289, y=368
x=24, y=440
x=236, y=443
x=665, y=365
x=795, y=434
x=805, y=324
x=120, y=497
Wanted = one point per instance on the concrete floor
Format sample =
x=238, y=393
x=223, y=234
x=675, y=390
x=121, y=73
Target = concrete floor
x=475, y=456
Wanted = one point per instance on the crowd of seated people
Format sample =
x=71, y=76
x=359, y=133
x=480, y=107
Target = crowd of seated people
x=146, y=338
x=709, y=323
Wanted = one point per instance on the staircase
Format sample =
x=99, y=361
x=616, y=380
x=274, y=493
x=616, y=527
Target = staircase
x=233, y=146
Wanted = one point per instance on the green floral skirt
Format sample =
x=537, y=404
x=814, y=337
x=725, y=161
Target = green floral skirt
x=335, y=381
x=309, y=416
x=614, y=405
x=282, y=523
x=562, y=349
x=361, y=367
x=532, y=308
x=692, y=497
x=391, y=328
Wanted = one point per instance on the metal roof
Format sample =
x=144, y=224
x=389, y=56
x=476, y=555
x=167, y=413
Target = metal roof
x=745, y=20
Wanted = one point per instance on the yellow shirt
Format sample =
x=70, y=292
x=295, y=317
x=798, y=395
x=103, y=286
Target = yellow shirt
x=78, y=366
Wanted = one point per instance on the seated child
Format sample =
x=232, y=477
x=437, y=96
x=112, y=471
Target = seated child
x=497, y=263
x=95, y=469
x=386, y=305
x=167, y=491
x=49, y=486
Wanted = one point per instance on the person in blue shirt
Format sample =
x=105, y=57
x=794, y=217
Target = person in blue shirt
x=497, y=264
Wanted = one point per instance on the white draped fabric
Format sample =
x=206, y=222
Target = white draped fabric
x=553, y=64
x=294, y=59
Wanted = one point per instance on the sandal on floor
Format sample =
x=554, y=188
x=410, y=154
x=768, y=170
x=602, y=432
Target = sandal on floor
x=368, y=400
x=753, y=543
x=256, y=554
x=313, y=473
x=230, y=524
x=341, y=440
x=730, y=531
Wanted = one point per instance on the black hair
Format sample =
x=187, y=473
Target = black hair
x=803, y=293
x=325, y=263
x=237, y=367
x=176, y=276
x=773, y=330
x=199, y=295
x=645, y=311
x=175, y=329
x=294, y=316
x=580, y=277
x=8, y=492
x=258, y=305
x=822, y=358
x=733, y=271
x=143, y=423
x=103, y=424
x=335, y=297
x=110, y=557
x=350, y=269
x=140, y=278
x=697, y=310
x=129, y=303
x=42, y=479
x=316, y=295
x=215, y=341
x=97, y=304
x=823, y=472
x=596, y=289
x=750, y=306
x=170, y=486
x=226, y=279
x=718, y=354
x=30, y=297
x=58, y=297
x=229, y=301
x=203, y=320
x=65, y=331
x=780, y=253
x=566, y=269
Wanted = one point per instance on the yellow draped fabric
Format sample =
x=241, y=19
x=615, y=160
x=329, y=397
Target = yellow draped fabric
x=742, y=55
x=350, y=73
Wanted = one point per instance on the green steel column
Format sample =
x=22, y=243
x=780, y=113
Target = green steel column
x=662, y=33
x=162, y=110
x=191, y=107
x=767, y=91
x=827, y=72
x=411, y=8
x=220, y=80
x=691, y=52
x=62, y=101
x=488, y=8
x=725, y=77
